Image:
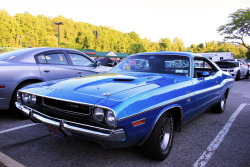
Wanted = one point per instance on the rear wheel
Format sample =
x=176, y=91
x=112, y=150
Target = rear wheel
x=221, y=106
x=15, y=111
x=159, y=143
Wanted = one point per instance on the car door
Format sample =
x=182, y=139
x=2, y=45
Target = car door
x=82, y=64
x=54, y=65
x=207, y=87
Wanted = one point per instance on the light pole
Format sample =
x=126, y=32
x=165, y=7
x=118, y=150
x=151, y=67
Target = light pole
x=161, y=45
x=20, y=40
x=58, y=23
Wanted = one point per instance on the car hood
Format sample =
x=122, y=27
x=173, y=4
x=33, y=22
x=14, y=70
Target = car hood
x=91, y=89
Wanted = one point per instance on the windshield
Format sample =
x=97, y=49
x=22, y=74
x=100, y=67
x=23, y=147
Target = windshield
x=9, y=55
x=227, y=64
x=166, y=64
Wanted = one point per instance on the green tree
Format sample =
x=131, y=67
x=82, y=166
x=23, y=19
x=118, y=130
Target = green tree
x=238, y=27
x=248, y=55
x=136, y=48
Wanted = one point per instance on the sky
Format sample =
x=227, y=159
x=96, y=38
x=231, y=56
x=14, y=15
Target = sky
x=192, y=21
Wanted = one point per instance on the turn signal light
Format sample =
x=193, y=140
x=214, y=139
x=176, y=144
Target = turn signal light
x=139, y=122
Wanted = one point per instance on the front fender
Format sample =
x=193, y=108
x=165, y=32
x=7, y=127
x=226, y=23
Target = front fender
x=178, y=117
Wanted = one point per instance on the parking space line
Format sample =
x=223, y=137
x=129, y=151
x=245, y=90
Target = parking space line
x=210, y=150
x=7, y=161
x=18, y=127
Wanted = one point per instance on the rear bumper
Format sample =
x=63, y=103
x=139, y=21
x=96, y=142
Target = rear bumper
x=69, y=128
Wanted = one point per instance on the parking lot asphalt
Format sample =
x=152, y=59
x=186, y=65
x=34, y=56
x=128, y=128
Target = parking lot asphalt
x=208, y=140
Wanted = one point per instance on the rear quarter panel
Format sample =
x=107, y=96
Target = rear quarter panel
x=11, y=76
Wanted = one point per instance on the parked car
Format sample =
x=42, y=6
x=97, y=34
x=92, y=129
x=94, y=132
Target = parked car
x=108, y=62
x=26, y=66
x=248, y=63
x=237, y=60
x=236, y=68
x=140, y=102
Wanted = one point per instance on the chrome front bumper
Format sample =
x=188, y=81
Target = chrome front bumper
x=69, y=128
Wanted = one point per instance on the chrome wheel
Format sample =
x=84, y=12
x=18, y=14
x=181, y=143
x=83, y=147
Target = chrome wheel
x=222, y=103
x=221, y=106
x=158, y=145
x=165, y=134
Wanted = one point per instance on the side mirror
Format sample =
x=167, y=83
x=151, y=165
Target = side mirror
x=97, y=63
x=205, y=74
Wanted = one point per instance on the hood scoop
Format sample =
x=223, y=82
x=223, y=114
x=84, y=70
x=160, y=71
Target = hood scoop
x=124, y=79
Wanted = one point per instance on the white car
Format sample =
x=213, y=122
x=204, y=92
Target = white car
x=236, y=68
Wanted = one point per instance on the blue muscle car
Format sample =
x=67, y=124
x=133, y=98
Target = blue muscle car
x=140, y=102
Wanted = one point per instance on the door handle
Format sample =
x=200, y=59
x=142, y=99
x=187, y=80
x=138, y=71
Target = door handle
x=217, y=82
x=80, y=72
x=46, y=70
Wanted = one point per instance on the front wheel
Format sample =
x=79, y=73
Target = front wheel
x=159, y=143
x=221, y=106
x=237, y=78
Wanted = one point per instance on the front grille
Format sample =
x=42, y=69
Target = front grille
x=68, y=107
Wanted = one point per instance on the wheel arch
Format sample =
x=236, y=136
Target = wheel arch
x=21, y=83
x=226, y=92
x=176, y=111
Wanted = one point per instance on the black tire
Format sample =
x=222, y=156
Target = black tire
x=15, y=111
x=221, y=106
x=247, y=75
x=159, y=143
x=237, y=78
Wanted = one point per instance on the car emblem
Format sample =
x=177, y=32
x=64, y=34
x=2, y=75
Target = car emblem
x=73, y=105
x=106, y=94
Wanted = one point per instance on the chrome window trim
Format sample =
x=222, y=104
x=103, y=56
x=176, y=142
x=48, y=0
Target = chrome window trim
x=167, y=54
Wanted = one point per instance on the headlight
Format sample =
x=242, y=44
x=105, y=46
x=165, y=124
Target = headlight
x=110, y=118
x=25, y=97
x=98, y=114
x=19, y=96
x=32, y=99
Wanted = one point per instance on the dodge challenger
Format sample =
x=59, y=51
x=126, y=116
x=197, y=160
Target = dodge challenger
x=141, y=102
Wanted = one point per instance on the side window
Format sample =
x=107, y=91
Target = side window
x=79, y=60
x=41, y=59
x=57, y=58
x=203, y=66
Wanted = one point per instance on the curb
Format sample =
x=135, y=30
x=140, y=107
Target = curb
x=6, y=161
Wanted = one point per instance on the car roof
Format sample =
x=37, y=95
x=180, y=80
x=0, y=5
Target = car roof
x=191, y=55
x=28, y=55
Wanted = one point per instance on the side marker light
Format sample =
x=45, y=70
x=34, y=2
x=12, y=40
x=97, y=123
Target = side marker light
x=139, y=122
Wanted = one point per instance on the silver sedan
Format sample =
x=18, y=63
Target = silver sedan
x=26, y=66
